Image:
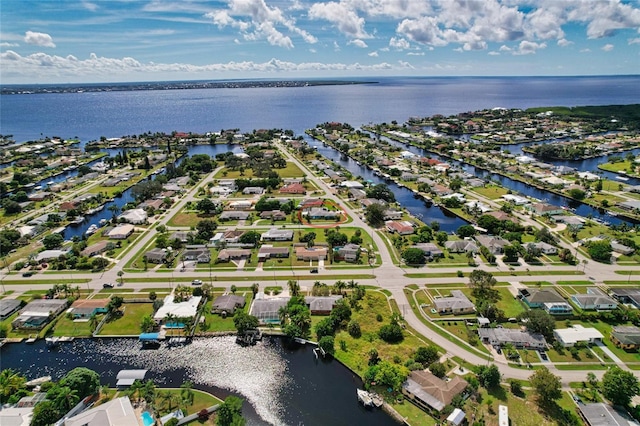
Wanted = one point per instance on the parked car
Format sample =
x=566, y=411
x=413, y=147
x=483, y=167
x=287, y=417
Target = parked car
x=27, y=274
x=196, y=282
x=107, y=285
x=314, y=271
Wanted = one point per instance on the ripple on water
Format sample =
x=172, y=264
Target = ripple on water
x=257, y=372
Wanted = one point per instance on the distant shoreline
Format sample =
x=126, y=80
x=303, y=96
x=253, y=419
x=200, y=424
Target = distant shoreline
x=30, y=89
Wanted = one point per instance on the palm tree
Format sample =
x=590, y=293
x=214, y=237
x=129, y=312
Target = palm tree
x=93, y=322
x=294, y=287
x=120, y=274
x=10, y=383
x=339, y=286
x=114, y=209
x=186, y=392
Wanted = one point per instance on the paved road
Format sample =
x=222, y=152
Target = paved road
x=387, y=276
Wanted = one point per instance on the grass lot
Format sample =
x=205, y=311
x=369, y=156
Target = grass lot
x=185, y=218
x=200, y=400
x=509, y=304
x=129, y=322
x=490, y=191
x=356, y=354
x=68, y=327
x=290, y=171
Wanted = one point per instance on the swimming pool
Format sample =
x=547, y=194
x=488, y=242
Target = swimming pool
x=147, y=419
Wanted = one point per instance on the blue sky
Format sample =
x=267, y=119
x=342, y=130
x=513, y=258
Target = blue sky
x=136, y=40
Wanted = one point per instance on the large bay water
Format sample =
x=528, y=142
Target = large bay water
x=282, y=386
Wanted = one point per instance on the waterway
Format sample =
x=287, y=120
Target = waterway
x=283, y=386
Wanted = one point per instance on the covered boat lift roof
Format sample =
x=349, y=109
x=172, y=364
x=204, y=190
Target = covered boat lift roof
x=127, y=377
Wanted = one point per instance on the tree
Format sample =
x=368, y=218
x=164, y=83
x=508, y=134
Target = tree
x=489, y=376
x=147, y=324
x=413, y=256
x=619, y=386
x=374, y=214
x=391, y=333
x=52, y=241
x=11, y=207
x=230, y=412
x=466, y=231
x=44, y=414
x=186, y=392
x=83, y=380
x=325, y=327
x=243, y=322
x=206, y=206
x=600, y=251
x=255, y=287
x=441, y=237
x=206, y=228
x=386, y=374
x=10, y=383
x=381, y=192
x=294, y=287
x=482, y=283
x=354, y=329
x=426, y=355
x=540, y=321
x=250, y=237
x=546, y=386
x=511, y=254
x=327, y=344
x=438, y=369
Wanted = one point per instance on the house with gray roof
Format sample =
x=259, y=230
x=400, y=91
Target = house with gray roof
x=516, y=337
x=594, y=300
x=536, y=298
x=227, y=304
x=321, y=305
x=430, y=392
x=268, y=251
x=156, y=255
x=38, y=313
x=601, y=414
x=8, y=307
x=234, y=215
x=495, y=244
x=461, y=246
x=267, y=309
x=626, y=337
x=627, y=295
x=456, y=303
x=429, y=249
x=202, y=255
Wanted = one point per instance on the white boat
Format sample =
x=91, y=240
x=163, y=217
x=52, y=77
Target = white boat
x=78, y=220
x=37, y=382
x=92, y=229
x=66, y=339
x=364, y=397
x=103, y=222
x=51, y=183
x=610, y=213
x=31, y=339
x=622, y=178
x=52, y=341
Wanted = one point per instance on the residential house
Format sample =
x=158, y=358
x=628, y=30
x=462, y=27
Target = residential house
x=495, y=244
x=273, y=215
x=268, y=251
x=308, y=203
x=391, y=214
x=8, y=307
x=626, y=337
x=182, y=236
x=366, y=202
x=536, y=298
x=293, y=188
x=156, y=255
x=400, y=227
x=461, y=246
x=227, y=304
x=121, y=232
x=40, y=196
x=321, y=305
x=67, y=206
x=542, y=247
x=255, y=190
x=48, y=255
x=275, y=234
x=515, y=337
x=202, y=255
x=440, y=190
x=500, y=215
x=557, y=308
x=515, y=199
x=232, y=236
x=241, y=205
x=429, y=249
x=321, y=213
x=594, y=299
x=357, y=194
x=626, y=295
x=134, y=216
x=348, y=253
x=543, y=209
x=226, y=255
x=311, y=253
x=86, y=308
x=95, y=249
x=184, y=309
x=152, y=204
x=577, y=334
x=621, y=248
x=233, y=215
x=352, y=184
x=38, y=313
x=118, y=411
x=267, y=309
x=430, y=392
x=602, y=414
x=477, y=206
x=456, y=303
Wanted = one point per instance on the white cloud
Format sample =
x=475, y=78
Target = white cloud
x=336, y=46
x=504, y=48
x=399, y=43
x=587, y=50
x=529, y=47
x=604, y=18
x=607, y=47
x=563, y=42
x=39, y=39
x=358, y=43
x=312, y=50
x=634, y=40
x=6, y=44
x=92, y=7
x=373, y=54
x=415, y=53
x=493, y=53
x=345, y=19
x=256, y=20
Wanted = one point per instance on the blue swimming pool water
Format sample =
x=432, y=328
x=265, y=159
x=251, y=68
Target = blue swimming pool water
x=147, y=419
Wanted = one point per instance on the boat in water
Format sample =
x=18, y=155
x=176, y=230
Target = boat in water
x=78, y=220
x=52, y=341
x=37, y=382
x=103, y=222
x=364, y=397
x=622, y=178
x=92, y=229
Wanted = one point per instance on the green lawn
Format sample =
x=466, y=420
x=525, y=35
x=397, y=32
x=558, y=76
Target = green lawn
x=290, y=171
x=68, y=327
x=215, y=322
x=185, y=218
x=129, y=322
x=201, y=400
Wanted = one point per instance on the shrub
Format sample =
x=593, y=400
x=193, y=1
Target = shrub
x=354, y=329
x=379, y=317
x=391, y=333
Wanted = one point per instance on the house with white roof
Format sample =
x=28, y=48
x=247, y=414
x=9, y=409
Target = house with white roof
x=576, y=334
x=184, y=309
x=134, y=216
